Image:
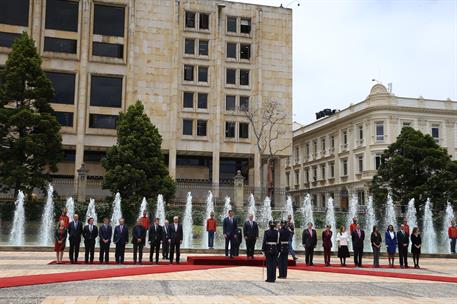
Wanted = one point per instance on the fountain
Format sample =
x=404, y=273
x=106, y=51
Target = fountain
x=143, y=207
x=289, y=208
x=209, y=209
x=17, y=237
x=187, y=223
x=353, y=207
x=307, y=211
x=70, y=205
x=371, y=216
x=390, y=218
x=227, y=207
x=251, y=205
x=117, y=210
x=428, y=231
x=411, y=215
x=449, y=217
x=47, y=220
x=160, y=210
x=330, y=219
x=265, y=215
x=91, y=212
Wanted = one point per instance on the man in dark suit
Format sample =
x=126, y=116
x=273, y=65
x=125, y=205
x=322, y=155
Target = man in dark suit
x=403, y=243
x=165, y=244
x=90, y=233
x=251, y=233
x=75, y=231
x=309, y=241
x=358, y=236
x=155, y=238
x=121, y=237
x=138, y=241
x=175, y=235
x=229, y=231
x=105, y=233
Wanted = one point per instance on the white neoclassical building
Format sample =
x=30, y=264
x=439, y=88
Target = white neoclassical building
x=338, y=155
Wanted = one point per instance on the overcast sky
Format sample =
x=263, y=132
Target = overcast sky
x=340, y=46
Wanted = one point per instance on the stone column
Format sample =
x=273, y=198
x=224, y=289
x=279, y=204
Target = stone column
x=172, y=163
x=81, y=183
x=238, y=190
x=215, y=173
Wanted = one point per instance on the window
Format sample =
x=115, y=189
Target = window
x=93, y=156
x=379, y=126
x=245, y=25
x=245, y=51
x=188, y=100
x=231, y=50
x=203, y=47
x=101, y=121
x=229, y=129
x=189, y=72
x=201, y=127
x=62, y=15
x=344, y=138
x=231, y=24
x=244, y=77
x=202, y=74
x=344, y=167
x=436, y=133
x=323, y=145
x=288, y=179
x=64, y=87
x=406, y=124
x=244, y=103
x=360, y=163
x=202, y=101
x=230, y=102
x=306, y=175
x=109, y=20
x=190, y=19
x=297, y=177
x=244, y=130
x=108, y=49
x=65, y=119
x=307, y=151
x=332, y=143
x=69, y=155
x=332, y=169
x=14, y=12
x=7, y=39
x=106, y=91
x=360, y=134
x=323, y=172
x=204, y=21
x=297, y=155
x=377, y=161
x=230, y=76
x=315, y=173
x=314, y=148
x=361, y=197
x=187, y=125
x=59, y=45
x=189, y=46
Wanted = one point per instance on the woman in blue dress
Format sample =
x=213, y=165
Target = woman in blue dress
x=391, y=244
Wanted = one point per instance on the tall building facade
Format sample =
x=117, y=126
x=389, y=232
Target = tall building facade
x=196, y=65
x=337, y=156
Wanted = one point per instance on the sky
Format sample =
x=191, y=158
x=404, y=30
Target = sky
x=339, y=46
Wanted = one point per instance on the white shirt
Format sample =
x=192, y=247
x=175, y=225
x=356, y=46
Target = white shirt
x=342, y=238
x=392, y=234
x=176, y=227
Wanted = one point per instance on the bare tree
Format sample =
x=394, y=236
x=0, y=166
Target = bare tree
x=266, y=123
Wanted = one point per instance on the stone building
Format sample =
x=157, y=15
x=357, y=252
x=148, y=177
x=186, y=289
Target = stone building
x=195, y=65
x=337, y=156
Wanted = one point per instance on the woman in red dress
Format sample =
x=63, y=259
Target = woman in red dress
x=65, y=217
x=60, y=237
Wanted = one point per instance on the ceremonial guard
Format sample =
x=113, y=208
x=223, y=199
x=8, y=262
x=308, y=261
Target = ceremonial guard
x=270, y=249
x=284, y=235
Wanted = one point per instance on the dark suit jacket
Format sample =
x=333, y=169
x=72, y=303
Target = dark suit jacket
x=229, y=228
x=327, y=239
x=105, y=233
x=165, y=232
x=175, y=235
x=75, y=232
x=309, y=241
x=357, y=242
x=402, y=239
x=251, y=232
x=121, y=238
x=138, y=232
x=90, y=236
x=155, y=234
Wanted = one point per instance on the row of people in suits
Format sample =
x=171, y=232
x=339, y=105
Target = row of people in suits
x=170, y=236
x=233, y=235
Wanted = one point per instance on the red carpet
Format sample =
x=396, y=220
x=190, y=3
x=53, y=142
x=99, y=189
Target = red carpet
x=235, y=261
x=96, y=274
x=387, y=274
x=114, y=263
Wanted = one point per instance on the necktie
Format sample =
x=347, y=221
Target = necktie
x=90, y=228
x=358, y=233
x=121, y=229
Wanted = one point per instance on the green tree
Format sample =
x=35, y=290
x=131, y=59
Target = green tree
x=31, y=145
x=415, y=166
x=135, y=166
